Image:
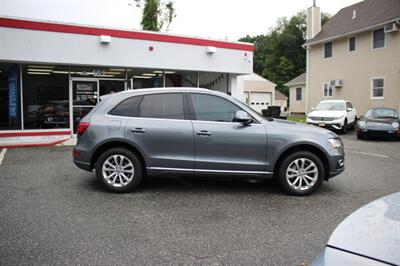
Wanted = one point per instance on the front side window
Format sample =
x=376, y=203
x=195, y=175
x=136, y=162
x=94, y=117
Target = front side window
x=126, y=107
x=166, y=106
x=328, y=49
x=378, y=39
x=298, y=94
x=328, y=89
x=349, y=105
x=213, y=108
x=377, y=85
x=352, y=44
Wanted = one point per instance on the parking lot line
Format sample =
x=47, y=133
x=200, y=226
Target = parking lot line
x=2, y=155
x=367, y=153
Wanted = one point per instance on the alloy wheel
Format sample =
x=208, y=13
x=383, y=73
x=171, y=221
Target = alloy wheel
x=302, y=174
x=118, y=170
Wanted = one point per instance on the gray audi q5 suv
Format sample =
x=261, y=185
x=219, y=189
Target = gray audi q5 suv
x=197, y=132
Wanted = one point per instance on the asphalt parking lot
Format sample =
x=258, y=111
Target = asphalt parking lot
x=53, y=213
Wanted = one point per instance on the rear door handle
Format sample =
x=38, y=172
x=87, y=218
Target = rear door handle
x=203, y=133
x=138, y=130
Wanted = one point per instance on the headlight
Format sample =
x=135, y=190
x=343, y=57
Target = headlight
x=395, y=125
x=335, y=143
x=361, y=124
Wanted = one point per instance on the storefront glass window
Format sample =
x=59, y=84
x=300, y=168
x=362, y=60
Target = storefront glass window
x=181, y=79
x=214, y=81
x=10, y=104
x=45, y=96
x=98, y=72
x=145, y=78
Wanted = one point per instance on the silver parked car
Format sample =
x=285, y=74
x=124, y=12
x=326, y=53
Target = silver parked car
x=369, y=236
x=198, y=132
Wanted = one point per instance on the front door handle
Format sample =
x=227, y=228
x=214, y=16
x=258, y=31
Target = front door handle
x=138, y=130
x=203, y=133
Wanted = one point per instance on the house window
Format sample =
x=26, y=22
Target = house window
x=352, y=44
x=378, y=39
x=328, y=89
x=328, y=49
x=298, y=94
x=377, y=86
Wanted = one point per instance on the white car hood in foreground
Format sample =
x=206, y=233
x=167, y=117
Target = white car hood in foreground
x=320, y=113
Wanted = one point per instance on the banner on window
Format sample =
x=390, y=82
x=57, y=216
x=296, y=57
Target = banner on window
x=13, y=92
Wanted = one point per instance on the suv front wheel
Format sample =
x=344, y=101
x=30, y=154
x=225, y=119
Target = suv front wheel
x=301, y=173
x=119, y=170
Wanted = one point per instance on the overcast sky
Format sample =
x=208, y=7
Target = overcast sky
x=220, y=19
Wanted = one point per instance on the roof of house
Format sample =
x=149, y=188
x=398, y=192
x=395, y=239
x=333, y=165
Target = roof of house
x=299, y=80
x=369, y=14
x=280, y=96
x=253, y=77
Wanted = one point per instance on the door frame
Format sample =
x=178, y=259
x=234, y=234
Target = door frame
x=71, y=100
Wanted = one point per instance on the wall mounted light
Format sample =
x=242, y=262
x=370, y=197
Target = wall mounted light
x=211, y=49
x=105, y=39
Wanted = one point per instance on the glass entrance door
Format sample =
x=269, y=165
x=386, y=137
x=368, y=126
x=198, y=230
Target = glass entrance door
x=85, y=94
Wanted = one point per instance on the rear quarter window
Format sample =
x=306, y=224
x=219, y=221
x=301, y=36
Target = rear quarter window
x=127, y=107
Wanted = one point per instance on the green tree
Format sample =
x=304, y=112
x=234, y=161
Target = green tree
x=279, y=55
x=156, y=15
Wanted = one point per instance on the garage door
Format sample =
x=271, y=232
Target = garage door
x=260, y=100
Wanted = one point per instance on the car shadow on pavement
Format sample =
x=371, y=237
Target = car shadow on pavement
x=188, y=185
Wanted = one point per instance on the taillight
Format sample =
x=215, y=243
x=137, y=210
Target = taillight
x=82, y=126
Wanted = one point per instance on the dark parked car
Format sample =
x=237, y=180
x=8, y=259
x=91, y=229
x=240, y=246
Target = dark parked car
x=369, y=236
x=198, y=132
x=382, y=122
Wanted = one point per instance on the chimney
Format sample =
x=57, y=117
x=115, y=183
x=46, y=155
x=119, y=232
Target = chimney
x=313, y=21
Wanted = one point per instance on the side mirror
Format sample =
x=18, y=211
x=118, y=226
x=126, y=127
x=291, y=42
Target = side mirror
x=243, y=117
x=349, y=109
x=312, y=109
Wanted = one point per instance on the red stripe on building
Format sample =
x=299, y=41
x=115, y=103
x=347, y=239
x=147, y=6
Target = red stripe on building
x=45, y=144
x=34, y=134
x=55, y=27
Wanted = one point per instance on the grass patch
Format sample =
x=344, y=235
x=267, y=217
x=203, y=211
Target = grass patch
x=299, y=119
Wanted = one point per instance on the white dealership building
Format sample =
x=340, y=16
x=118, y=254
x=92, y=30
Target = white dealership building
x=51, y=74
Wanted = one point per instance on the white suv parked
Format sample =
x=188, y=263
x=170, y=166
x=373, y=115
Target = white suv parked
x=333, y=114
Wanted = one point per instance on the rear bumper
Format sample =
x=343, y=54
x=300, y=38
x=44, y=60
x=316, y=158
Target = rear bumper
x=81, y=159
x=83, y=165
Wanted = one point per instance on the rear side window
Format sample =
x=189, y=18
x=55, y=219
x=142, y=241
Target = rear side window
x=126, y=107
x=213, y=108
x=167, y=106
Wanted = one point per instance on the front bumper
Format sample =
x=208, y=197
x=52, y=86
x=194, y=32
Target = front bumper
x=336, y=165
x=379, y=133
x=335, y=124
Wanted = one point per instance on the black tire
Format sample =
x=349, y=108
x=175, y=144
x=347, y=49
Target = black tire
x=345, y=127
x=360, y=136
x=283, y=181
x=137, y=167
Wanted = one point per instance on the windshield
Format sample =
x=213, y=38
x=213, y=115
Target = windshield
x=331, y=106
x=382, y=113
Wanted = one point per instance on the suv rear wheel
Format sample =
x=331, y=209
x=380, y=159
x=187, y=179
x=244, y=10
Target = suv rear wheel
x=301, y=173
x=119, y=170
